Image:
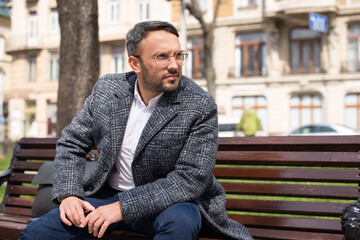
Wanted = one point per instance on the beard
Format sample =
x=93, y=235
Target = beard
x=153, y=83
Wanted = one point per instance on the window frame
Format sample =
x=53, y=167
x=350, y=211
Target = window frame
x=242, y=68
x=301, y=42
x=356, y=106
x=54, y=66
x=301, y=106
x=32, y=59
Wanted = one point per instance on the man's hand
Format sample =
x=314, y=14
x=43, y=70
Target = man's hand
x=72, y=211
x=102, y=217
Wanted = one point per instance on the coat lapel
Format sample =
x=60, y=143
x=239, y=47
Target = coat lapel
x=120, y=110
x=163, y=113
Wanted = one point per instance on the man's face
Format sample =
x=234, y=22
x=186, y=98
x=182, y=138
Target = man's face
x=153, y=78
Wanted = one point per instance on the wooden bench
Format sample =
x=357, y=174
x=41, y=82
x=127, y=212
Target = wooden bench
x=279, y=187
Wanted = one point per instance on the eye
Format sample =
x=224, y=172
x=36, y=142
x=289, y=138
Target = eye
x=179, y=56
x=162, y=56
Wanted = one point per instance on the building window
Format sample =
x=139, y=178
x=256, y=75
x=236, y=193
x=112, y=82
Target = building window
x=250, y=53
x=118, y=57
x=30, y=125
x=305, y=109
x=196, y=60
x=144, y=10
x=305, y=51
x=245, y=3
x=2, y=47
x=353, y=47
x=54, y=66
x=32, y=30
x=52, y=119
x=54, y=21
x=257, y=103
x=352, y=110
x=32, y=67
x=114, y=7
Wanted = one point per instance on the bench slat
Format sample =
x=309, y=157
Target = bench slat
x=11, y=230
x=35, y=154
x=23, y=165
x=292, y=190
x=349, y=159
x=17, y=201
x=13, y=218
x=289, y=223
x=21, y=211
x=21, y=190
x=21, y=177
x=288, y=174
x=286, y=207
x=263, y=233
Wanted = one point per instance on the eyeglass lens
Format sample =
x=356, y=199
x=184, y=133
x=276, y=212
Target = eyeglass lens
x=163, y=59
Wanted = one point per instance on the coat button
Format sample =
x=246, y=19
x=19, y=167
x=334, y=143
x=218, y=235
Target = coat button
x=105, y=168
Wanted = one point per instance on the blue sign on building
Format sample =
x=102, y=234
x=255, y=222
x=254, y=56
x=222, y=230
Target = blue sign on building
x=318, y=22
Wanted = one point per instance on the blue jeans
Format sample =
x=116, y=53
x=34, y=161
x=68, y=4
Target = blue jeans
x=179, y=221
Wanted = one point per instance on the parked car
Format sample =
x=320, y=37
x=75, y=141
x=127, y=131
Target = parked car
x=227, y=127
x=324, y=129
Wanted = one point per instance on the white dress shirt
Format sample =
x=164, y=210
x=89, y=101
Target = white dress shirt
x=121, y=178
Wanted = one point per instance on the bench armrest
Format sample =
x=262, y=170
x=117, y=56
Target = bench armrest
x=5, y=176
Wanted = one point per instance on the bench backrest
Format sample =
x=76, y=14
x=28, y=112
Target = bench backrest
x=280, y=187
x=297, y=186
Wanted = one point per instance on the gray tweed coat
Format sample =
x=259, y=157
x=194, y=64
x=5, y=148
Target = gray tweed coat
x=173, y=161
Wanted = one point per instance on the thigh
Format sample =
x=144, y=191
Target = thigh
x=178, y=216
x=50, y=225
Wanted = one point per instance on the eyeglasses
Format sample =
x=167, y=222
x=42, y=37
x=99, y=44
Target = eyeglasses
x=163, y=59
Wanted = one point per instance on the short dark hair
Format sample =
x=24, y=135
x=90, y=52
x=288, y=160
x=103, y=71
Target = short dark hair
x=142, y=29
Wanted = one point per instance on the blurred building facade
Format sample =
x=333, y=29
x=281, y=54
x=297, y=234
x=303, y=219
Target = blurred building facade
x=265, y=58
x=5, y=64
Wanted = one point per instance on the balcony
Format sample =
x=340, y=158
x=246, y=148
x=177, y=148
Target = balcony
x=18, y=43
x=283, y=8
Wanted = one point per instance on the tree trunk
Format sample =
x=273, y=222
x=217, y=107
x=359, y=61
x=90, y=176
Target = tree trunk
x=208, y=34
x=79, y=57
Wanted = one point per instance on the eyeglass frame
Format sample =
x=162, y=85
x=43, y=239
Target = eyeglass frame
x=184, y=52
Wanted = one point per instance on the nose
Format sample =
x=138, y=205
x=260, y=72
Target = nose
x=172, y=63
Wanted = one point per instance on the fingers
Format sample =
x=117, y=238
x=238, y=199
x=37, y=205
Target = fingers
x=72, y=212
x=63, y=217
x=87, y=206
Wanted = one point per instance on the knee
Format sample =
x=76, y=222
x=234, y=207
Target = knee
x=181, y=217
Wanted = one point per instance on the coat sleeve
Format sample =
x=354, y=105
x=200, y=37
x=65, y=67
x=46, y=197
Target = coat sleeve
x=188, y=181
x=71, y=149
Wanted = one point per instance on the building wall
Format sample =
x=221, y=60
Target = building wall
x=275, y=18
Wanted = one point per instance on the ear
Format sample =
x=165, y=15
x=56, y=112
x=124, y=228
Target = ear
x=134, y=64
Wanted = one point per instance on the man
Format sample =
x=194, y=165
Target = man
x=156, y=133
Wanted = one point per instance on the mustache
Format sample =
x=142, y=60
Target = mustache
x=172, y=73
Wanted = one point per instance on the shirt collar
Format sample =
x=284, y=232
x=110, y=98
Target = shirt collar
x=152, y=102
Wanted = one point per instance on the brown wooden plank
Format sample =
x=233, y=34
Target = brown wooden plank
x=19, y=202
x=291, y=140
x=21, y=190
x=10, y=230
x=263, y=233
x=21, y=177
x=286, y=207
x=290, y=158
x=14, y=218
x=293, y=190
x=289, y=174
x=15, y=211
x=289, y=223
x=38, y=142
x=23, y=165
x=35, y=154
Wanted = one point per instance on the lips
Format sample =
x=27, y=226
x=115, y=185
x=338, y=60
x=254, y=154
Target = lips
x=172, y=77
